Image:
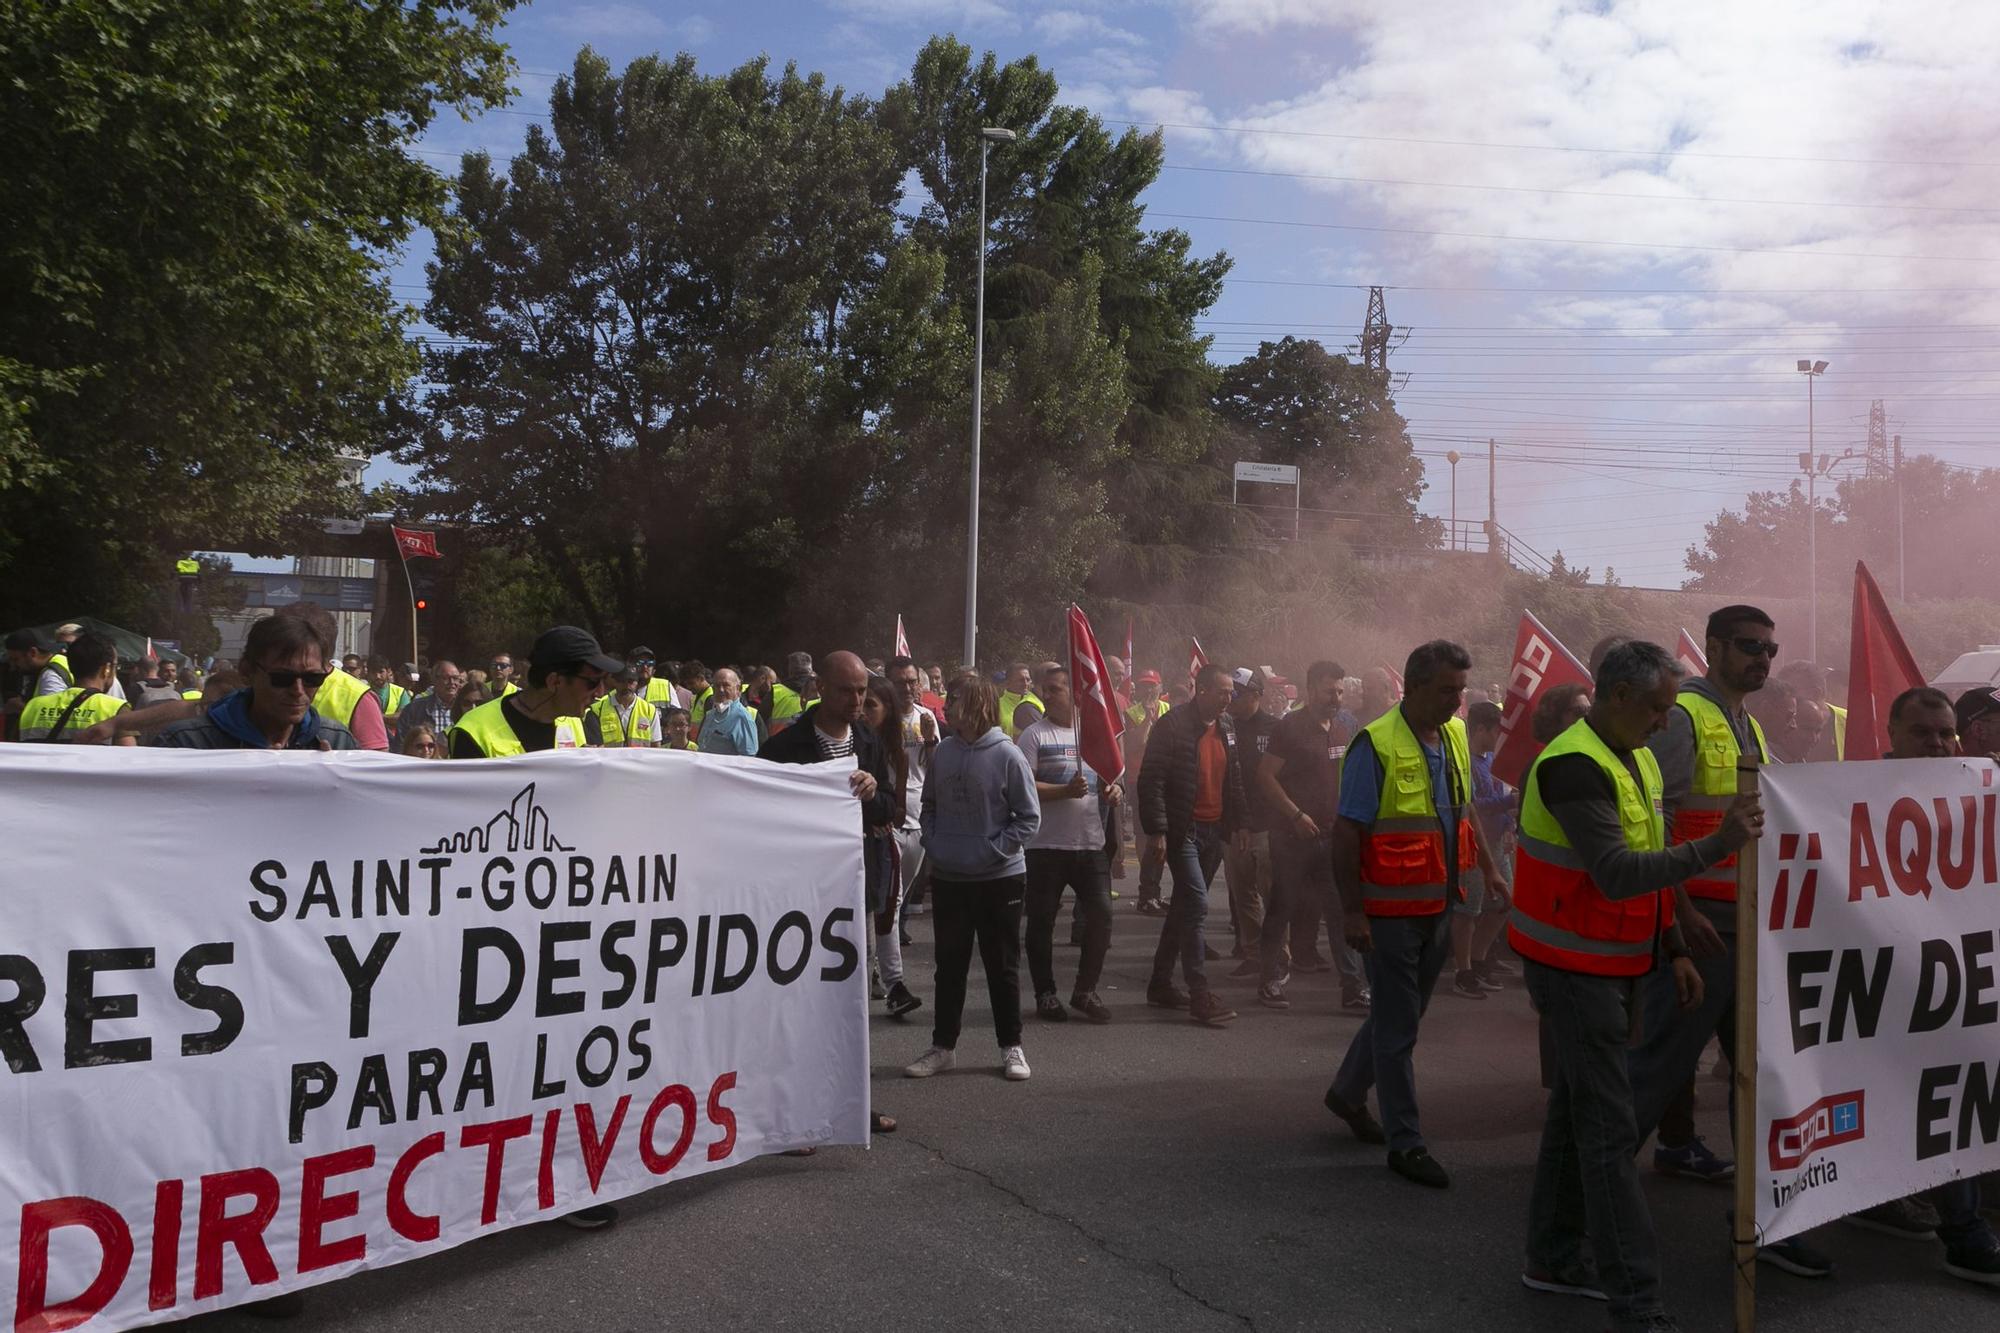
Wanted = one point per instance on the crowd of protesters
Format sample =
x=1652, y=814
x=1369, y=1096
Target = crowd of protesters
x=1366, y=806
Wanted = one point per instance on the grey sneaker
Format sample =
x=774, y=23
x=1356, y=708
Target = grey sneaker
x=1906, y=1219
x=934, y=1061
x=1014, y=1064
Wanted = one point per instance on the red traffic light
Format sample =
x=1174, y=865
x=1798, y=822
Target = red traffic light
x=423, y=604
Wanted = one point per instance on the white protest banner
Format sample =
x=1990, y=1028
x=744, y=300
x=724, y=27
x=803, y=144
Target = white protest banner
x=268, y=1019
x=1878, y=978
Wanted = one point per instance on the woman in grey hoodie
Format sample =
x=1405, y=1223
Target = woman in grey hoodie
x=979, y=811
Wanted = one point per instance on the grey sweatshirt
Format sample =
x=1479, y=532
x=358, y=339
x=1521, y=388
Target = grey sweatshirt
x=979, y=808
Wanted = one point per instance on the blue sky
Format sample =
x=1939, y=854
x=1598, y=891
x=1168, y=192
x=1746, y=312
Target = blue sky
x=1608, y=229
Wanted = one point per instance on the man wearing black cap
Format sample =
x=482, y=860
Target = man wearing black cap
x=1978, y=712
x=566, y=671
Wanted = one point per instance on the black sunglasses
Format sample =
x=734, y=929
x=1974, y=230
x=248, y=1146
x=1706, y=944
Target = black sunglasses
x=1756, y=648
x=642, y=661
x=284, y=680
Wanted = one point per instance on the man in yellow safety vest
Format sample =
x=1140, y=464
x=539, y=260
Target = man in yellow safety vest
x=56, y=718
x=622, y=718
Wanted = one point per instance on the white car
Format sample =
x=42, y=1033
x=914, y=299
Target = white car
x=1973, y=670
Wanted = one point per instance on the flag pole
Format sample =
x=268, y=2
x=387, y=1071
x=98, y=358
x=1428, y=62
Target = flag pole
x=1743, y=1065
x=409, y=585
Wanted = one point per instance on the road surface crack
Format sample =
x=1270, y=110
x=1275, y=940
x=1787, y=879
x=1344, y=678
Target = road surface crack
x=1173, y=1274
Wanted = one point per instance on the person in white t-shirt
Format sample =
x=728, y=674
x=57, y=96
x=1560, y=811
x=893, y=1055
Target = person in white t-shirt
x=920, y=739
x=1068, y=851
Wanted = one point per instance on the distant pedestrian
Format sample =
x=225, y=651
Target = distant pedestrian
x=1068, y=851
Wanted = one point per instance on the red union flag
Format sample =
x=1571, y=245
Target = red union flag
x=902, y=639
x=1395, y=678
x=1540, y=663
x=1879, y=667
x=1099, y=725
x=414, y=545
x=1692, y=658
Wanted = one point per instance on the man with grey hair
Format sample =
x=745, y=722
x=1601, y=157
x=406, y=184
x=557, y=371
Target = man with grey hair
x=1592, y=899
x=432, y=708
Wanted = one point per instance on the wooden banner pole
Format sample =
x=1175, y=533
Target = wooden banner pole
x=1743, y=1067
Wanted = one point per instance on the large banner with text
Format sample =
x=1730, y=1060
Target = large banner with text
x=269, y=1019
x=1878, y=1023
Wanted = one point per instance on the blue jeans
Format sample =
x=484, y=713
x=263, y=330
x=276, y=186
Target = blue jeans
x=1193, y=861
x=1586, y=1183
x=1403, y=967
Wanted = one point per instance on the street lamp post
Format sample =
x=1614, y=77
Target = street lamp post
x=1452, y=456
x=987, y=138
x=1809, y=461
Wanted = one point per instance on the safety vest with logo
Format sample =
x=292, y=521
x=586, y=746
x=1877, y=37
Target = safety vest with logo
x=336, y=698
x=1711, y=789
x=487, y=727
x=1010, y=702
x=645, y=727
x=39, y=715
x=1403, y=871
x=1561, y=918
x=1136, y=714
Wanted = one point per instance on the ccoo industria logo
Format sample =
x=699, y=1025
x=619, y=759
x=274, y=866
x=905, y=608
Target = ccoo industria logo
x=1828, y=1122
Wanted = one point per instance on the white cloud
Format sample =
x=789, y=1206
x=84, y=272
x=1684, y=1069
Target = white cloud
x=1069, y=25
x=615, y=20
x=987, y=12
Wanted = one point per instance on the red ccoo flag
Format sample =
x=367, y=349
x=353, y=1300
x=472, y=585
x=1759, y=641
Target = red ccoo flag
x=1879, y=667
x=1692, y=658
x=1098, y=721
x=414, y=545
x=1197, y=659
x=1540, y=663
x=902, y=639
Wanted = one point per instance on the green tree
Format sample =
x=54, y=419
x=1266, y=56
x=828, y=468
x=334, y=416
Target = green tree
x=201, y=198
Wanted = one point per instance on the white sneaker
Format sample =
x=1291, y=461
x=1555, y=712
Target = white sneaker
x=935, y=1061
x=1014, y=1064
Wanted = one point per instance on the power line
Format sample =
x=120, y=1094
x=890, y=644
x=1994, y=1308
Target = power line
x=1570, y=240
x=1653, y=153
x=1588, y=194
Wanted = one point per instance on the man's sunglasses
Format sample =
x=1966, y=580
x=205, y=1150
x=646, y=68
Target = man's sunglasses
x=501, y=666
x=284, y=680
x=1756, y=648
x=642, y=661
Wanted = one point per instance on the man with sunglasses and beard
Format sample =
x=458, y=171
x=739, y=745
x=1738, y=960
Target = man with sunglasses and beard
x=285, y=662
x=566, y=671
x=1697, y=748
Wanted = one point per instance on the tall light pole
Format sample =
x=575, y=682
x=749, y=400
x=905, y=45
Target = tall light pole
x=1809, y=462
x=1452, y=456
x=987, y=138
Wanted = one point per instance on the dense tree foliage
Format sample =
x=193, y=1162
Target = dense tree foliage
x=200, y=199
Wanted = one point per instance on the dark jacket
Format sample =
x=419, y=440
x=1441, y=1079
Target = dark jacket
x=226, y=725
x=1167, y=777
x=796, y=745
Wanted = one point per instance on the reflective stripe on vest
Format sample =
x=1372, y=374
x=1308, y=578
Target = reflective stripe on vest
x=487, y=727
x=1711, y=788
x=1561, y=918
x=611, y=733
x=337, y=696
x=1403, y=871
x=38, y=715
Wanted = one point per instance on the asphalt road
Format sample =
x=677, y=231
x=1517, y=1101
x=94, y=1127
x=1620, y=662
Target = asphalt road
x=1153, y=1174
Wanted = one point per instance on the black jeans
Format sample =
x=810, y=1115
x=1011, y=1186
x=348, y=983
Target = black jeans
x=1051, y=871
x=988, y=912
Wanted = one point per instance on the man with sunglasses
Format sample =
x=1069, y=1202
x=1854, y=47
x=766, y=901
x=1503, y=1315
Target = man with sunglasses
x=284, y=660
x=566, y=671
x=653, y=688
x=1707, y=729
x=500, y=676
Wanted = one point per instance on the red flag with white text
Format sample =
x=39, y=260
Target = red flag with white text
x=414, y=545
x=1099, y=724
x=1540, y=663
x=1879, y=667
x=1693, y=659
x=902, y=639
